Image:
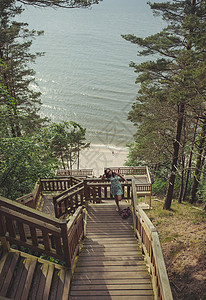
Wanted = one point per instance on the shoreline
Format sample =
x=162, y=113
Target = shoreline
x=98, y=157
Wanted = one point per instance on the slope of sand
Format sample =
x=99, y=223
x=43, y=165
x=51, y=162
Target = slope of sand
x=97, y=157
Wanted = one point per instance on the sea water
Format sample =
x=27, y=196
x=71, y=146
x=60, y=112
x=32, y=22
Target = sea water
x=85, y=75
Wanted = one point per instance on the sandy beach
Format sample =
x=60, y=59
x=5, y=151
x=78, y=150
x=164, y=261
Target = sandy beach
x=97, y=157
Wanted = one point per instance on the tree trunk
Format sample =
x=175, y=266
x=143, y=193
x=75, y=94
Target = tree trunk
x=182, y=180
x=189, y=163
x=78, y=154
x=199, y=164
x=176, y=146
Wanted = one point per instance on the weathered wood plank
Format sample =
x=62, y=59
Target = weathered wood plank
x=48, y=282
x=110, y=264
x=118, y=262
x=108, y=240
x=102, y=253
x=111, y=258
x=104, y=287
x=111, y=297
x=60, y=288
x=36, y=282
x=106, y=281
x=113, y=293
x=9, y=274
x=21, y=285
x=17, y=279
x=42, y=281
x=29, y=279
x=67, y=280
x=97, y=269
x=4, y=270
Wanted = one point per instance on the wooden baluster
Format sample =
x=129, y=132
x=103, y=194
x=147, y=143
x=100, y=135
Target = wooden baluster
x=46, y=241
x=128, y=192
x=55, y=206
x=21, y=231
x=105, y=192
x=86, y=194
x=10, y=227
x=82, y=197
x=33, y=236
x=99, y=192
x=2, y=225
x=64, y=234
x=58, y=245
x=76, y=201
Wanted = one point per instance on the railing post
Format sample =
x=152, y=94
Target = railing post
x=5, y=244
x=55, y=206
x=86, y=194
x=64, y=235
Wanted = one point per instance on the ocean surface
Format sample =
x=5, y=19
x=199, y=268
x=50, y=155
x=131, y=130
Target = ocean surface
x=85, y=75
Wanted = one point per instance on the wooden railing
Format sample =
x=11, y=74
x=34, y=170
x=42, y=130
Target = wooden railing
x=56, y=184
x=94, y=190
x=130, y=170
x=31, y=229
x=68, y=201
x=98, y=190
x=80, y=173
x=32, y=199
x=27, y=200
x=47, y=185
x=150, y=244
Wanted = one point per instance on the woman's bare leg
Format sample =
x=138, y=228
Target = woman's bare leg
x=117, y=199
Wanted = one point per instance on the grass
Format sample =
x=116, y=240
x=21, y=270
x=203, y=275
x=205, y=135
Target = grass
x=182, y=236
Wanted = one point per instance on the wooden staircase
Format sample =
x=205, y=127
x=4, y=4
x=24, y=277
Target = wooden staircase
x=110, y=264
x=24, y=276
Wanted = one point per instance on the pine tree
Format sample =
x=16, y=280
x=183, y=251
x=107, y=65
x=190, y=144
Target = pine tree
x=21, y=106
x=60, y=3
x=179, y=67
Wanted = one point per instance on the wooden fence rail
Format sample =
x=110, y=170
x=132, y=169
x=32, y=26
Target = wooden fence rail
x=80, y=173
x=150, y=244
x=94, y=190
x=97, y=192
x=130, y=170
x=31, y=229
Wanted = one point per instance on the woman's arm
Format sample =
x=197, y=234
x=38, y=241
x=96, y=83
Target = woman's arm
x=122, y=177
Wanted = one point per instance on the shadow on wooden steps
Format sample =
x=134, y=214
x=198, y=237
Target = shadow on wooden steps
x=24, y=276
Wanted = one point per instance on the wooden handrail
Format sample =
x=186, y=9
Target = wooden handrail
x=129, y=170
x=73, y=188
x=94, y=190
x=148, y=176
x=69, y=202
x=71, y=172
x=150, y=244
x=32, y=229
x=56, y=184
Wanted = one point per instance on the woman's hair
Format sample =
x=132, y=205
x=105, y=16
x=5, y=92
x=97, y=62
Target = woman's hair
x=108, y=175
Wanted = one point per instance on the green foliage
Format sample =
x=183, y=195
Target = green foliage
x=27, y=151
x=22, y=161
x=60, y=3
x=159, y=187
x=52, y=259
x=172, y=88
x=18, y=110
x=65, y=140
x=202, y=188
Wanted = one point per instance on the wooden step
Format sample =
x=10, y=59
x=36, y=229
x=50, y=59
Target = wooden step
x=110, y=264
x=23, y=277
